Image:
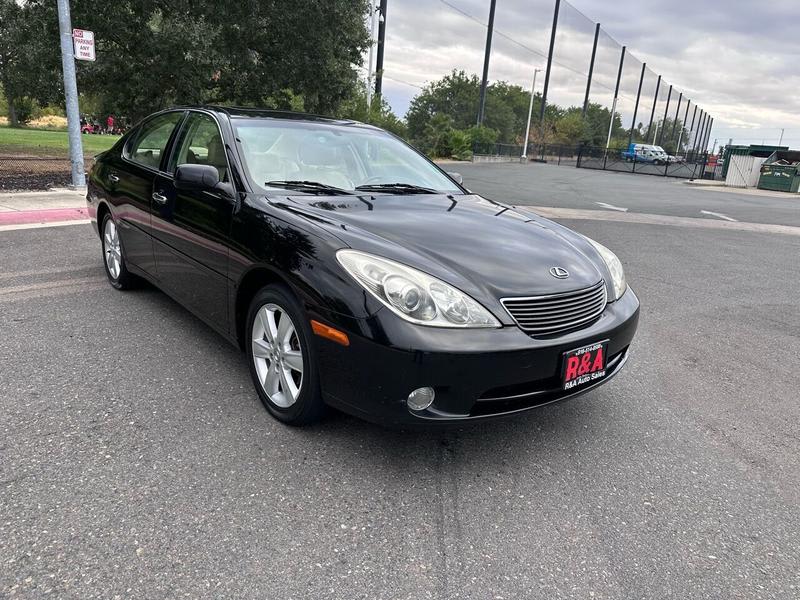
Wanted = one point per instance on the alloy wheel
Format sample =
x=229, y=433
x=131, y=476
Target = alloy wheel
x=112, y=249
x=277, y=355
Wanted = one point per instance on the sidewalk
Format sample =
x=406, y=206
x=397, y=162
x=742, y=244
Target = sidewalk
x=35, y=209
x=719, y=186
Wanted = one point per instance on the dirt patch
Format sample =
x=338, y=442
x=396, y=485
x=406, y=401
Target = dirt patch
x=26, y=172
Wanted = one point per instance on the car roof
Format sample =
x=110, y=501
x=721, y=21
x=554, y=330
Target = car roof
x=266, y=113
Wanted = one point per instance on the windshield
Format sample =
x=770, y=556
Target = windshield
x=298, y=153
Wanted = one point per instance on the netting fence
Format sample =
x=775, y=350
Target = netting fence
x=648, y=108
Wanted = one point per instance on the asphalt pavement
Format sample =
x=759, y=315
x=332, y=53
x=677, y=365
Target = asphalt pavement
x=137, y=462
x=568, y=187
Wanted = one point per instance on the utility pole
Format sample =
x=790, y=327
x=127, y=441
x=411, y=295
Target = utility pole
x=530, y=112
x=549, y=65
x=71, y=96
x=372, y=12
x=486, y=56
x=381, y=46
x=781, y=138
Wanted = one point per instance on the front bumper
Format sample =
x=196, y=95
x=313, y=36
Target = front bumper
x=476, y=373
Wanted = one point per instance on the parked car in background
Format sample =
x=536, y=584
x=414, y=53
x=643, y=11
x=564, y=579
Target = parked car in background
x=354, y=272
x=645, y=153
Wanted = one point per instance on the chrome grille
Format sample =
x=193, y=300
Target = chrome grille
x=555, y=313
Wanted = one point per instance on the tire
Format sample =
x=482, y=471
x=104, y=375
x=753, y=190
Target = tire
x=114, y=256
x=657, y=162
x=273, y=349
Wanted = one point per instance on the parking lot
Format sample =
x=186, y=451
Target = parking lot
x=137, y=461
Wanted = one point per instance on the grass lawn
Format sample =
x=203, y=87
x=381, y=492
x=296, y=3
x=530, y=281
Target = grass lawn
x=49, y=143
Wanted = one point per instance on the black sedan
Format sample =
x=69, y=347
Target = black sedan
x=356, y=273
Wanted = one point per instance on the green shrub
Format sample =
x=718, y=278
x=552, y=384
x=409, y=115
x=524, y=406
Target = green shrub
x=460, y=144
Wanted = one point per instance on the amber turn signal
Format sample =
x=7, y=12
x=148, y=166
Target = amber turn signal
x=327, y=332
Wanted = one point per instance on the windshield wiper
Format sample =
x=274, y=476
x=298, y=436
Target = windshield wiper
x=401, y=188
x=307, y=186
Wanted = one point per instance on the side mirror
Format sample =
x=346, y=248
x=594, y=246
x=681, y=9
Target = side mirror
x=457, y=177
x=196, y=177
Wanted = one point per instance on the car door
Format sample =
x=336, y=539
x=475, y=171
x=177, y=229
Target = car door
x=130, y=176
x=191, y=228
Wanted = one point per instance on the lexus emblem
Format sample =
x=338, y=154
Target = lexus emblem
x=559, y=272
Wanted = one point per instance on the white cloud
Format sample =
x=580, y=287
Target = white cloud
x=736, y=59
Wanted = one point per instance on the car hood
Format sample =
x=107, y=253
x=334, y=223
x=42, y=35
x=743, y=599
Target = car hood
x=480, y=246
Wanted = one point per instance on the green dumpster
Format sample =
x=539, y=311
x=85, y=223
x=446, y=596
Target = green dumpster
x=781, y=178
x=781, y=172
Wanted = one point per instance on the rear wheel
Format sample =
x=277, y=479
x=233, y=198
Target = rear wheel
x=280, y=358
x=113, y=255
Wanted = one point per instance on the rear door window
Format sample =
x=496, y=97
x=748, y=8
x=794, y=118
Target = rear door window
x=149, y=145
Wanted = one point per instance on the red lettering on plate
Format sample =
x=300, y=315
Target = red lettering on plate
x=572, y=368
x=598, y=360
x=586, y=363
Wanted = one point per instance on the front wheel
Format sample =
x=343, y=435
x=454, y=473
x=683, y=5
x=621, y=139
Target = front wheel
x=280, y=358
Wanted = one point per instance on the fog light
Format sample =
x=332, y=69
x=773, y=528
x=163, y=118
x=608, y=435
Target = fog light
x=421, y=398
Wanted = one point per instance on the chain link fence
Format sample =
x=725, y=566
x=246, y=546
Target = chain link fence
x=23, y=172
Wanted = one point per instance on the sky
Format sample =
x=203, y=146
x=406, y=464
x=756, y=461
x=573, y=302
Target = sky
x=739, y=60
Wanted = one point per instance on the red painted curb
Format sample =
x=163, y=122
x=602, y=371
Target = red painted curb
x=47, y=215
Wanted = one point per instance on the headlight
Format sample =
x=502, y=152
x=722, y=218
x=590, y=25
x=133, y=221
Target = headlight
x=614, y=266
x=413, y=295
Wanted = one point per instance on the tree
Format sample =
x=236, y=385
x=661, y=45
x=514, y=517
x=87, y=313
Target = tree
x=28, y=68
x=662, y=132
x=457, y=95
x=380, y=113
x=156, y=53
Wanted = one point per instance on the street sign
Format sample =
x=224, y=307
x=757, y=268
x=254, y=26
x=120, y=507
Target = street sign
x=84, y=44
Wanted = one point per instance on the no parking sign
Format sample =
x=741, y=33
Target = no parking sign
x=83, y=42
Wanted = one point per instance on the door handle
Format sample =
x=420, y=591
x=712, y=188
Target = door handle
x=160, y=198
x=113, y=178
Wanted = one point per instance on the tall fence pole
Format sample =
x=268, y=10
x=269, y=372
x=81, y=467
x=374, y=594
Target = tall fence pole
x=675, y=120
x=666, y=112
x=699, y=133
x=530, y=112
x=683, y=126
x=691, y=130
x=616, y=94
x=549, y=65
x=653, y=110
x=708, y=134
x=381, y=48
x=636, y=107
x=71, y=95
x=486, y=56
x=591, y=69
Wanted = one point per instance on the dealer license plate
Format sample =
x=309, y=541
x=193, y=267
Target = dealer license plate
x=585, y=365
